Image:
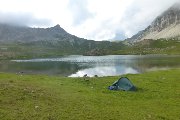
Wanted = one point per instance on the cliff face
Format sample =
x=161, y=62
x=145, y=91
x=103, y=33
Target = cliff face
x=168, y=18
x=167, y=25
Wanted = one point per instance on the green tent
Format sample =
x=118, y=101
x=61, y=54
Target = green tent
x=123, y=84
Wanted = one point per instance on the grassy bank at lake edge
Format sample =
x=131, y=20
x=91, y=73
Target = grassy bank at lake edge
x=44, y=50
x=56, y=98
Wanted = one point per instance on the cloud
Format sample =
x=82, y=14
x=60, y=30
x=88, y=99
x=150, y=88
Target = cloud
x=90, y=19
x=23, y=19
x=49, y=12
x=141, y=13
x=79, y=11
x=117, y=19
x=105, y=20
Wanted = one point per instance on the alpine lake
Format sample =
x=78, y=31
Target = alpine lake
x=78, y=65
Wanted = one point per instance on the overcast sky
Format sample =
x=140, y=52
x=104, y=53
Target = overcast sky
x=90, y=19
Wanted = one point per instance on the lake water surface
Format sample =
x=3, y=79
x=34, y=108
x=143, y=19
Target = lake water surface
x=77, y=66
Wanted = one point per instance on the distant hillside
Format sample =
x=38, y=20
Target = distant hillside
x=167, y=25
x=26, y=42
x=149, y=46
x=10, y=33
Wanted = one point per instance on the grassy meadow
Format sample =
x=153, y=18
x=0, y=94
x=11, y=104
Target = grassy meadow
x=160, y=46
x=46, y=49
x=42, y=97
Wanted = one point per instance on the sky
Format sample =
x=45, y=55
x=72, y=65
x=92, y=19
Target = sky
x=91, y=19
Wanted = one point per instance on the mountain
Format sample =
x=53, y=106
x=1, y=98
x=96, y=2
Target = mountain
x=167, y=25
x=27, y=42
x=9, y=33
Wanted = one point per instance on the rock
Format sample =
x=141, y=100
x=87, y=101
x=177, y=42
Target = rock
x=167, y=25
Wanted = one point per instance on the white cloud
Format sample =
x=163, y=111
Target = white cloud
x=54, y=10
x=23, y=19
x=119, y=18
x=141, y=13
x=79, y=11
x=105, y=21
x=91, y=19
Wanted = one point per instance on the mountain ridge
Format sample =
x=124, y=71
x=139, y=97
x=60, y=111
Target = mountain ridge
x=54, y=41
x=9, y=33
x=166, y=25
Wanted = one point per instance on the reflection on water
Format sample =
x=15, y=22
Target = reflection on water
x=75, y=66
x=104, y=71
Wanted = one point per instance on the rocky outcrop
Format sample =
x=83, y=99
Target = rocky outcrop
x=168, y=18
x=167, y=25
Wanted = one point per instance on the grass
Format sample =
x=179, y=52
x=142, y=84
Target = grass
x=160, y=46
x=47, y=49
x=41, y=97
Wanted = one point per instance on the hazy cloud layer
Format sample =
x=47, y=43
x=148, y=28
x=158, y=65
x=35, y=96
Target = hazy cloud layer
x=79, y=11
x=118, y=19
x=91, y=19
x=141, y=13
x=23, y=19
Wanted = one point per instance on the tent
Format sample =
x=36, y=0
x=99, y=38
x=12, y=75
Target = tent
x=122, y=84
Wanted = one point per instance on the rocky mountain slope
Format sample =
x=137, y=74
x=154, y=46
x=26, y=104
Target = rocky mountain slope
x=167, y=25
x=10, y=33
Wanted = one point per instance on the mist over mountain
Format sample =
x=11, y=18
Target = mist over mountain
x=166, y=25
